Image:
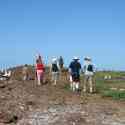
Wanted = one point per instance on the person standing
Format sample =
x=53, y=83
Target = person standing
x=54, y=71
x=40, y=68
x=25, y=73
x=89, y=71
x=74, y=70
x=61, y=63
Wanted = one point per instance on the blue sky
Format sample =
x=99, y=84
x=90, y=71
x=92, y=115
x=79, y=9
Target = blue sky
x=69, y=28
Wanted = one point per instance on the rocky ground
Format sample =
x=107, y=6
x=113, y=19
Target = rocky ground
x=25, y=103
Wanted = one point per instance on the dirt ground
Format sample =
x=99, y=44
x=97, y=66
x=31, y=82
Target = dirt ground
x=25, y=103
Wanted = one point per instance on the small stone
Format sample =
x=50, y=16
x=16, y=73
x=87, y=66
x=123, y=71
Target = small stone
x=22, y=108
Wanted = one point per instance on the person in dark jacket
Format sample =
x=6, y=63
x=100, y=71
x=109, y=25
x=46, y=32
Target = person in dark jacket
x=54, y=71
x=75, y=69
x=61, y=63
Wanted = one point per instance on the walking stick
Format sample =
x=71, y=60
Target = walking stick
x=35, y=81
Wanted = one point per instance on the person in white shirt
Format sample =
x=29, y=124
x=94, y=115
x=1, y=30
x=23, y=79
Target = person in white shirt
x=89, y=71
x=25, y=72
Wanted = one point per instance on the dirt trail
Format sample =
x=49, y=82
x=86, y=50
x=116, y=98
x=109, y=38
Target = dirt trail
x=24, y=103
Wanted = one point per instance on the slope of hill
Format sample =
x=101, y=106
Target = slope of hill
x=26, y=103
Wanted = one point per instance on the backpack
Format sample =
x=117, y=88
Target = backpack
x=60, y=61
x=55, y=68
x=90, y=68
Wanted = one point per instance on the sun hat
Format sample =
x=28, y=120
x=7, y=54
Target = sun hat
x=75, y=58
x=87, y=58
x=54, y=59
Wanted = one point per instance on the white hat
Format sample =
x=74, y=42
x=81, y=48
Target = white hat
x=87, y=58
x=75, y=58
x=54, y=60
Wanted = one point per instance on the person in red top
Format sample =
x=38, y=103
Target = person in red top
x=40, y=68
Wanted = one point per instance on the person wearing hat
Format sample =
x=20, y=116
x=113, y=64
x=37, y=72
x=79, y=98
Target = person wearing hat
x=88, y=70
x=54, y=71
x=74, y=69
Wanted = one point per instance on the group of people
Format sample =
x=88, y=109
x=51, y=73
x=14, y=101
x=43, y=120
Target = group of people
x=74, y=70
x=55, y=68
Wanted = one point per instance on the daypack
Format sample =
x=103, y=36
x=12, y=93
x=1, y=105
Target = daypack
x=55, y=68
x=60, y=61
x=90, y=68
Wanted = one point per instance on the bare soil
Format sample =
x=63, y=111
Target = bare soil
x=26, y=103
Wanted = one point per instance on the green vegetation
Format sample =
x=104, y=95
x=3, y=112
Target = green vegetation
x=114, y=94
x=114, y=74
x=111, y=88
x=67, y=86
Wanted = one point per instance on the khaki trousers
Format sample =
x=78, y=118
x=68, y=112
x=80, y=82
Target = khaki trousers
x=89, y=84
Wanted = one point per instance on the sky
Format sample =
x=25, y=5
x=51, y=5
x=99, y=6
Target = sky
x=94, y=28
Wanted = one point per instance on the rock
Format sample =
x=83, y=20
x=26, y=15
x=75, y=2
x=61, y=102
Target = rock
x=113, y=88
x=8, y=118
x=122, y=89
x=2, y=86
x=22, y=108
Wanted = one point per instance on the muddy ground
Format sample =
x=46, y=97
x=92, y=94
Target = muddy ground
x=25, y=103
